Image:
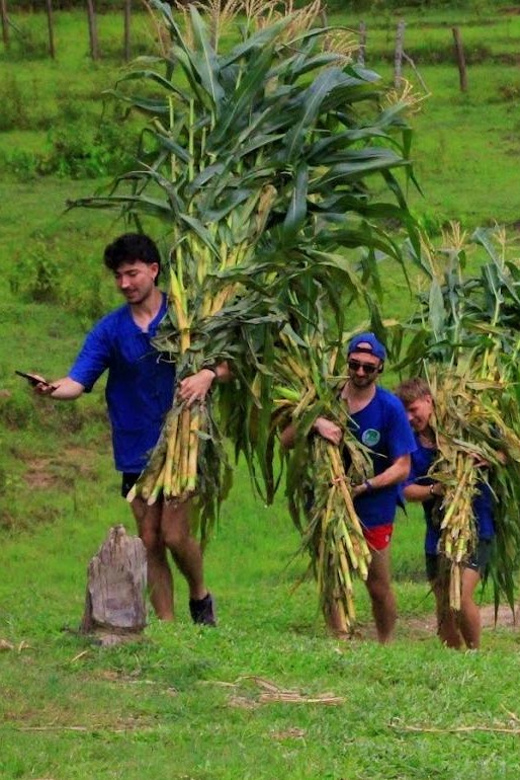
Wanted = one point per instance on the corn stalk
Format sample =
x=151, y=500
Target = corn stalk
x=257, y=161
x=464, y=341
x=318, y=487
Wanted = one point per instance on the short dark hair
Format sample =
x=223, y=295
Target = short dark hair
x=129, y=248
x=412, y=389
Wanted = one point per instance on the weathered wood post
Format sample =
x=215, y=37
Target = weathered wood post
x=115, y=607
x=5, y=23
x=398, y=56
x=362, y=44
x=127, y=17
x=50, y=25
x=461, y=60
x=92, y=30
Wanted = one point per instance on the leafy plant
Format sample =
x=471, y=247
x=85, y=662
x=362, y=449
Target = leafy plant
x=16, y=111
x=464, y=340
x=37, y=273
x=259, y=159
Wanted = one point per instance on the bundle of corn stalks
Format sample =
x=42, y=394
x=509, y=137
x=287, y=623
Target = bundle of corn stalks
x=202, y=317
x=257, y=159
x=318, y=485
x=474, y=446
x=463, y=343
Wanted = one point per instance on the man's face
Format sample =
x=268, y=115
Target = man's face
x=363, y=368
x=136, y=280
x=419, y=413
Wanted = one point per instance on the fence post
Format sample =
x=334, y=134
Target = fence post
x=5, y=23
x=398, y=58
x=461, y=61
x=127, y=14
x=362, y=43
x=50, y=25
x=92, y=30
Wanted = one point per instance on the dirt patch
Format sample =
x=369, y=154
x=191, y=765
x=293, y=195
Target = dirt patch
x=504, y=618
x=424, y=627
x=39, y=475
x=45, y=473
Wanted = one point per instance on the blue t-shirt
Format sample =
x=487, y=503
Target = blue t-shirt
x=422, y=460
x=140, y=386
x=383, y=427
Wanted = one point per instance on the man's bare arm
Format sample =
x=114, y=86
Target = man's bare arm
x=396, y=473
x=65, y=389
x=421, y=493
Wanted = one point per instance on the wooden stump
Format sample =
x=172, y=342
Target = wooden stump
x=115, y=608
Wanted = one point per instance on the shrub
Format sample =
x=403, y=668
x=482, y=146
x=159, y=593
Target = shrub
x=36, y=274
x=15, y=113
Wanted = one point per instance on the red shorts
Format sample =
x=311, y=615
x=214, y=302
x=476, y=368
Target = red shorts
x=379, y=536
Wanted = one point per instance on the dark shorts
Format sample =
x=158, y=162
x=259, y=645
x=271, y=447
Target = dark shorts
x=129, y=480
x=478, y=561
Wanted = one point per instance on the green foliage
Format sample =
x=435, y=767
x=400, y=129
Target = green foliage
x=77, y=150
x=37, y=274
x=402, y=6
x=84, y=151
x=197, y=694
x=47, y=271
x=101, y=6
x=464, y=340
x=260, y=157
x=16, y=106
x=27, y=44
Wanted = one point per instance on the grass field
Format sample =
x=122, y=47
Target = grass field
x=267, y=694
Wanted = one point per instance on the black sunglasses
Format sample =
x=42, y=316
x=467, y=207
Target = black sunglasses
x=368, y=368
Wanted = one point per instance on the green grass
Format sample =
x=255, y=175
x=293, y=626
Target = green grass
x=190, y=699
x=185, y=702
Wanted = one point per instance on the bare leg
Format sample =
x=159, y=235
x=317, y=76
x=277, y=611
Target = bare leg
x=160, y=581
x=469, y=616
x=186, y=552
x=381, y=595
x=447, y=629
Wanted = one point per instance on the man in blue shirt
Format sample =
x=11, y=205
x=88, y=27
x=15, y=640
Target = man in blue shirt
x=453, y=629
x=379, y=422
x=139, y=393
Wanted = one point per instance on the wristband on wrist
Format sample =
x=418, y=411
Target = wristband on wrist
x=368, y=485
x=212, y=368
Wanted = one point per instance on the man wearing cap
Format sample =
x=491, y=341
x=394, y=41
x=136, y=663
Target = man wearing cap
x=380, y=422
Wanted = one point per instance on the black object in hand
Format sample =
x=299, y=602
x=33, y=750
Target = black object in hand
x=33, y=380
